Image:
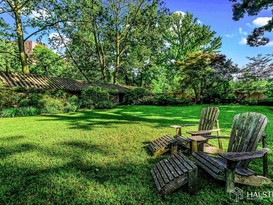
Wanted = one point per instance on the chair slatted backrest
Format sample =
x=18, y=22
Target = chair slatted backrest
x=247, y=130
x=208, y=118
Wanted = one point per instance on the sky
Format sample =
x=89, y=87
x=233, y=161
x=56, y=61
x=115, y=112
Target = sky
x=218, y=15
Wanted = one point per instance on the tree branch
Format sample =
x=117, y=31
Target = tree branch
x=43, y=28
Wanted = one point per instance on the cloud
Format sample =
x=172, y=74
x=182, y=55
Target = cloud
x=229, y=35
x=270, y=44
x=242, y=32
x=57, y=42
x=40, y=14
x=261, y=21
x=179, y=13
x=243, y=41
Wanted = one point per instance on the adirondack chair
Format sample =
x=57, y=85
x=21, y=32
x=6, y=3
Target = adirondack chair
x=232, y=166
x=208, y=119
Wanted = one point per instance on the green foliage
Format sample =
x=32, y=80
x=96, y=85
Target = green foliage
x=9, y=60
x=131, y=96
x=46, y=62
x=104, y=105
x=21, y=111
x=96, y=97
x=52, y=105
x=10, y=112
x=186, y=35
x=208, y=75
x=9, y=98
x=165, y=100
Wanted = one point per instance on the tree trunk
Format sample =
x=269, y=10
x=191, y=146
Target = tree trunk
x=20, y=40
x=117, y=59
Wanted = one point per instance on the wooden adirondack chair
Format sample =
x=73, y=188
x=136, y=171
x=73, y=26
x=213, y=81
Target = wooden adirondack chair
x=247, y=130
x=208, y=120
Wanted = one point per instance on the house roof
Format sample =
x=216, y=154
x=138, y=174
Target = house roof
x=43, y=82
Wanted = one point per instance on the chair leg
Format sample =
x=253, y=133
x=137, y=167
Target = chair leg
x=230, y=176
x=192, y=181
x=219, y=134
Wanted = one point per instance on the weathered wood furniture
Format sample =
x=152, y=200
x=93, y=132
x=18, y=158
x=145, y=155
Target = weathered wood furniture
x=208, y=119
x=173, y=172
x=247, y=130
x=160, y=145
x=197, y=143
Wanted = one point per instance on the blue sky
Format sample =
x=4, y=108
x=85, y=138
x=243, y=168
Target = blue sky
x=218, y=14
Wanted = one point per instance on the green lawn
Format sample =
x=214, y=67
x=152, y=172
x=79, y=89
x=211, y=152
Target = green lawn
x=99, y=157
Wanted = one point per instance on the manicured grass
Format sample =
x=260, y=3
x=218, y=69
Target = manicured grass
x=99, y=157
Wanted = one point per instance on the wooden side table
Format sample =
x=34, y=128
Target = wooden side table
x=197, y=143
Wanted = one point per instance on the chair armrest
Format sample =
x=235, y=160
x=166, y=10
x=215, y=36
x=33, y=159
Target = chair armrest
x=183, y=125
x=215, y=137
x=239, y=156
x=202, y=132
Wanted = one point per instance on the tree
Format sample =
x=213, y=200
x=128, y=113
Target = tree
x=46, y=62
x=119, y=38
x=207, y=74
x=185, y=35
x=8, y=56
x=255, y=75
x=252, y=8
x=22, y=14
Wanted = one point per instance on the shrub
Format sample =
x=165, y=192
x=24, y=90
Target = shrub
x=23, y=111
x=105, y=105
x=74, y=100
x=70, y=108
x=9, y=98
x=91, y=96
x=165, y=100
x=52, y=106
x=132, y=96
x=249, y=102
x=9, y=112
x=28, y=111
x=146, y=100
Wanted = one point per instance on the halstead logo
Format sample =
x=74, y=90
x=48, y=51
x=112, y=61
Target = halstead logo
x=237, y=194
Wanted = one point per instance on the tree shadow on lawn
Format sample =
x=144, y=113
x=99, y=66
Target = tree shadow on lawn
x=15, y=149
x=157, y=116
x=128, y=181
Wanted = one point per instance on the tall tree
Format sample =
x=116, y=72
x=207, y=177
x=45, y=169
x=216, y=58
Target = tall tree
x=185, y=34
x=35, y=14
x=252, y=8
x=207, y=74
x=110, y=32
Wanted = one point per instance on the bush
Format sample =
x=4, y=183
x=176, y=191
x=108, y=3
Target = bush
x=23, y=111
x=70, y=108
x=105, y=105
x=52, y=106
x=9, y=112
x=28, y=111
x=165, y=100
x=92, y=96
x=74, y=100
x=249, y=102
x=132, y=96
x=9, y=98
